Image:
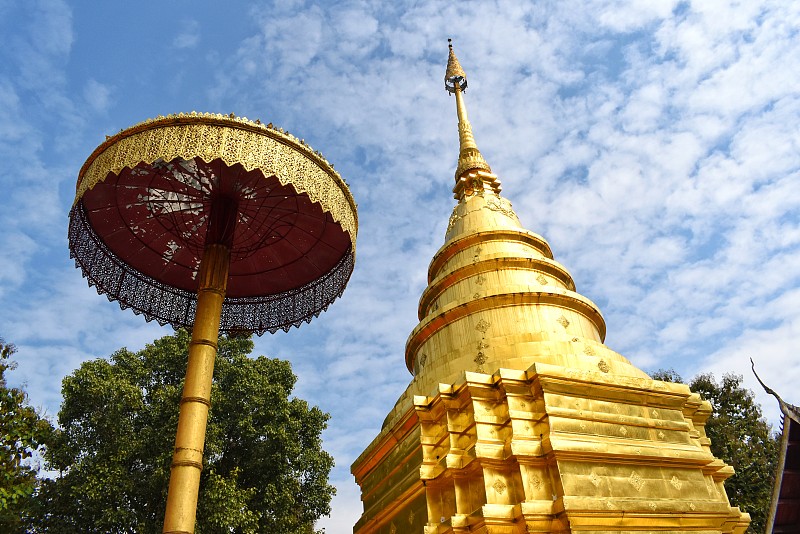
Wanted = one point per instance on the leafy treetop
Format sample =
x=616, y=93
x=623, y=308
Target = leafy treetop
x=741, y=437
x=23, y=432
x=264, y=468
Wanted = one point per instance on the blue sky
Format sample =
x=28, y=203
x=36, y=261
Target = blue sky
x=654, y=144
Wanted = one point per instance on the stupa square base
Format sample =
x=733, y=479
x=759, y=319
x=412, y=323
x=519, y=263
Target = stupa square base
x=550, y=449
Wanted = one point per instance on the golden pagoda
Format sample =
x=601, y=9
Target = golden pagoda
x=518, y=418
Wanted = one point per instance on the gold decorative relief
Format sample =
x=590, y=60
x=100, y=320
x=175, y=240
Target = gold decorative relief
x=636, y=481
x=563, y=321
x=499, y=486
x=477, y=255
x=411, y=517
x=474, y=185
x=501, y=205
x=541, y=279
x=536, y=482
x=623, y=431
x=589, y=351
x=454, y=217
x=676, y=483
x=594, y=479
x=603, y=366
x=482, y=326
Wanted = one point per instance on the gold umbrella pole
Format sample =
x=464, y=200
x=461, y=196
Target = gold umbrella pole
x=187, y=461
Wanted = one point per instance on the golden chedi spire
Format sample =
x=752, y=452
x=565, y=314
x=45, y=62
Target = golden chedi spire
x=496, y=298
x=519, y=418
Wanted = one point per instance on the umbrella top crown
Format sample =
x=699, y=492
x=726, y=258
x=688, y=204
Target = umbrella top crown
x=91, y=170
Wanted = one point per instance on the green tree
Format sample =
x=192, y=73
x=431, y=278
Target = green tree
x=742, y=438
x=264, y=469
x=22, y=434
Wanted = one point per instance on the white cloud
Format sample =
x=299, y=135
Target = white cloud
x=17, y=248
x=189, y=36
x=97, y=95
x=633, y=15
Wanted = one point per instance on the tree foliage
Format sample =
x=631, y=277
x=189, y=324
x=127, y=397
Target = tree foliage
x=742, y=438
x=264, y=469
x=23, y=432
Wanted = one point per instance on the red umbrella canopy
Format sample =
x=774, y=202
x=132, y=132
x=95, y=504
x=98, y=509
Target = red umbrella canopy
x=140, y=221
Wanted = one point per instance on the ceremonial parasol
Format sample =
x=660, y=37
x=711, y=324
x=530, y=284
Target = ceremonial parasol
x=217, y=223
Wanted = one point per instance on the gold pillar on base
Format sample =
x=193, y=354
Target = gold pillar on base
x=187, y=461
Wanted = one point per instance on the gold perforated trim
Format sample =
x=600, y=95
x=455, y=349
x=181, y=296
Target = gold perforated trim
x=232, y=140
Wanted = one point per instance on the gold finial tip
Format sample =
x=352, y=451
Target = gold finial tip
x=455, y=76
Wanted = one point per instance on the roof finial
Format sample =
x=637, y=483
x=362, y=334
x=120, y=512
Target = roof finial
x=786, y=408
x=455, y=74
x=455, y=82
